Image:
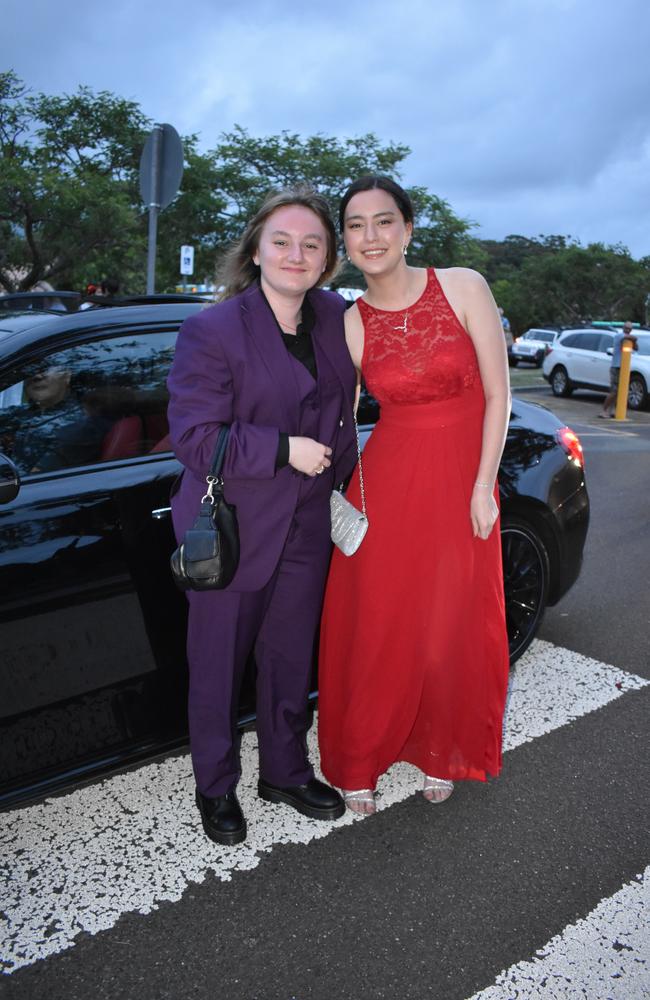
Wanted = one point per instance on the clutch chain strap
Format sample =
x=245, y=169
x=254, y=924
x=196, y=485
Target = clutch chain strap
x=363, y=492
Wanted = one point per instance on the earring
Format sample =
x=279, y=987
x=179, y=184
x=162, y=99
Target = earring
x=347, y=257
x=405, y=249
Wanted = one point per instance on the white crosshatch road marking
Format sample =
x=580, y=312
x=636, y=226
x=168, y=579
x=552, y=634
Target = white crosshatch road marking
x=606, y=956
x=69, y=870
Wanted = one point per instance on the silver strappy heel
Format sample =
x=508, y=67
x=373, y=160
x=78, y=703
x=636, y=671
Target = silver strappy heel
x=362, y=797
x=437, y=789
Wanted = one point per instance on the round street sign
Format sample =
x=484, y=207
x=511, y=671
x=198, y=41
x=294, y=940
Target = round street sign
x=161, y=166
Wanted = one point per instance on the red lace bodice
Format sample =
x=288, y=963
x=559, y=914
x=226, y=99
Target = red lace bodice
x=433, y=361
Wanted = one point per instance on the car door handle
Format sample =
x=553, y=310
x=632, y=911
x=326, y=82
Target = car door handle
x=160, y=513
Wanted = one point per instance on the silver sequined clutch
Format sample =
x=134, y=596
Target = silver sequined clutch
x=349, y=525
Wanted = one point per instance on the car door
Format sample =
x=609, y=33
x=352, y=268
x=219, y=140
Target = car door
x=603, y=361
x=93, y=664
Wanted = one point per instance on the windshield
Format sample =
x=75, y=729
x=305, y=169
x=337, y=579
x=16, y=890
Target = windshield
x=543, y=335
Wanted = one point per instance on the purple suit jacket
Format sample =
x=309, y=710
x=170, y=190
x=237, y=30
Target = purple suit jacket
x=231, y=366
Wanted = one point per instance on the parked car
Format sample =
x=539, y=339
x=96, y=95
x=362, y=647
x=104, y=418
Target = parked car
x=581, y=359
x=40, y=301
x=532, y=346
x=93, y=671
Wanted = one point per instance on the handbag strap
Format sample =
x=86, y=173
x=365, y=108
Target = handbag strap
x=213, y=478
x=363, y=492
x=220, y=451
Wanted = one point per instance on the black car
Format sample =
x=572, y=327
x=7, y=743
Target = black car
x=93, y=671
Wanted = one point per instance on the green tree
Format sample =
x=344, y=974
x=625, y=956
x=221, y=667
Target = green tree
x=578, y=284
x=248, y=167
x=67, y=169
x=70, y=208
x=554, y=281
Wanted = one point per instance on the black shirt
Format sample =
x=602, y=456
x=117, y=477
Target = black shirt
x=299, y=344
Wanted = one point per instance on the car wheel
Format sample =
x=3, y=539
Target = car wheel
x=560, y=383
x=525, y=581
x=513, y=362
x=637, y=393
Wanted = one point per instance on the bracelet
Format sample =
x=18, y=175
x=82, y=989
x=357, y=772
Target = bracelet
x=488, y=486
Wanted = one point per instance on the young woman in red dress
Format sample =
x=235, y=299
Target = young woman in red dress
x=414, y=653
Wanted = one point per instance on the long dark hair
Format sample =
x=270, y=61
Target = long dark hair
x=237, y=271
x=368, y=183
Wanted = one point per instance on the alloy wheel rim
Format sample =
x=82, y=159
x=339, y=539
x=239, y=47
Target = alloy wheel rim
x=524, y=584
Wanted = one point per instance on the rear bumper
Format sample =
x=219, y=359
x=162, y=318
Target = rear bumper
x=534, y=357
x=572, y=523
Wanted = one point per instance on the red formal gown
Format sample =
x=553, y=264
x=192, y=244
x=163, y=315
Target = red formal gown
x=413, y=653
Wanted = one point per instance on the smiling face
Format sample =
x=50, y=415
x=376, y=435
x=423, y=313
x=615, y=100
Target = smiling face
x=375, y=232
x=292, y=251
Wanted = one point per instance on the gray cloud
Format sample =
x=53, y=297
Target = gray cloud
x=529, y=116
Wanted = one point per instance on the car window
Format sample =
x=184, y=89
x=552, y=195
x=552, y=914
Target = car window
x=606, y=341
x=643, y=345
x=589, y=341
x=94, y=402
x=582, y=341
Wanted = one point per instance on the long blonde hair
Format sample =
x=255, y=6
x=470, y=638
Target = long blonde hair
x=236, y=270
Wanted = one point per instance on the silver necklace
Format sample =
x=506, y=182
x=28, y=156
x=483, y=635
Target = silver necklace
x=404, y=324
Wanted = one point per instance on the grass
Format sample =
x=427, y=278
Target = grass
x=526, y=376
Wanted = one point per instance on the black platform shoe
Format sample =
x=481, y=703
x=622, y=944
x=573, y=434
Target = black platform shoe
x=223, y=820
x=315, y=799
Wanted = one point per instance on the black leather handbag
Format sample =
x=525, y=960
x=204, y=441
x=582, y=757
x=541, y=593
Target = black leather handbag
x=208, y=556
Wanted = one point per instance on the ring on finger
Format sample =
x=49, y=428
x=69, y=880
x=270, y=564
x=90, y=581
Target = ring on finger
x=320, y=469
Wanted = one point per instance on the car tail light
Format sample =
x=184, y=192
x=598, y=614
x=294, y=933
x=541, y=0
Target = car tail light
x=547, y=350
x=570, y=441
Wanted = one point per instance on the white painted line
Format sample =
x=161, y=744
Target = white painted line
x=552, y=686
x=606, y=956
x=78, y=862
x=604, y=433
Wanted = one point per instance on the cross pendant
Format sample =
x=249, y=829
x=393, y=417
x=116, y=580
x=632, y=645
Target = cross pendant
x=402, y=328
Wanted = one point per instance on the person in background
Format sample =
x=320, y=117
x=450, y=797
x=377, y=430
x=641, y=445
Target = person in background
x=269, y=360
x=108, y=289
x=615, y=367
x=507, y=332
x=54, y=430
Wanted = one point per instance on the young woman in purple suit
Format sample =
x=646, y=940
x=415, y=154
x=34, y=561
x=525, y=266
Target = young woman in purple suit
x=271, y=361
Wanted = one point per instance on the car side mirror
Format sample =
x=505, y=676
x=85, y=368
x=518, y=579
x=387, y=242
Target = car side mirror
x=610, y=351
x=9, y=480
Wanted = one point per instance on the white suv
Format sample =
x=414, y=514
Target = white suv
x=532, y=346
x=581, y=359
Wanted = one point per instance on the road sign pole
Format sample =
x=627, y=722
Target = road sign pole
x=151, y=252
x=161, y=172
x=154, y=206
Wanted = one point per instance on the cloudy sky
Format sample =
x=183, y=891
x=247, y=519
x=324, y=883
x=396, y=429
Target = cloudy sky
x=528, y=116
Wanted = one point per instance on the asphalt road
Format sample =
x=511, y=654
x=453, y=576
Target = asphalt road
x=528, y=887
x=607, y=612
